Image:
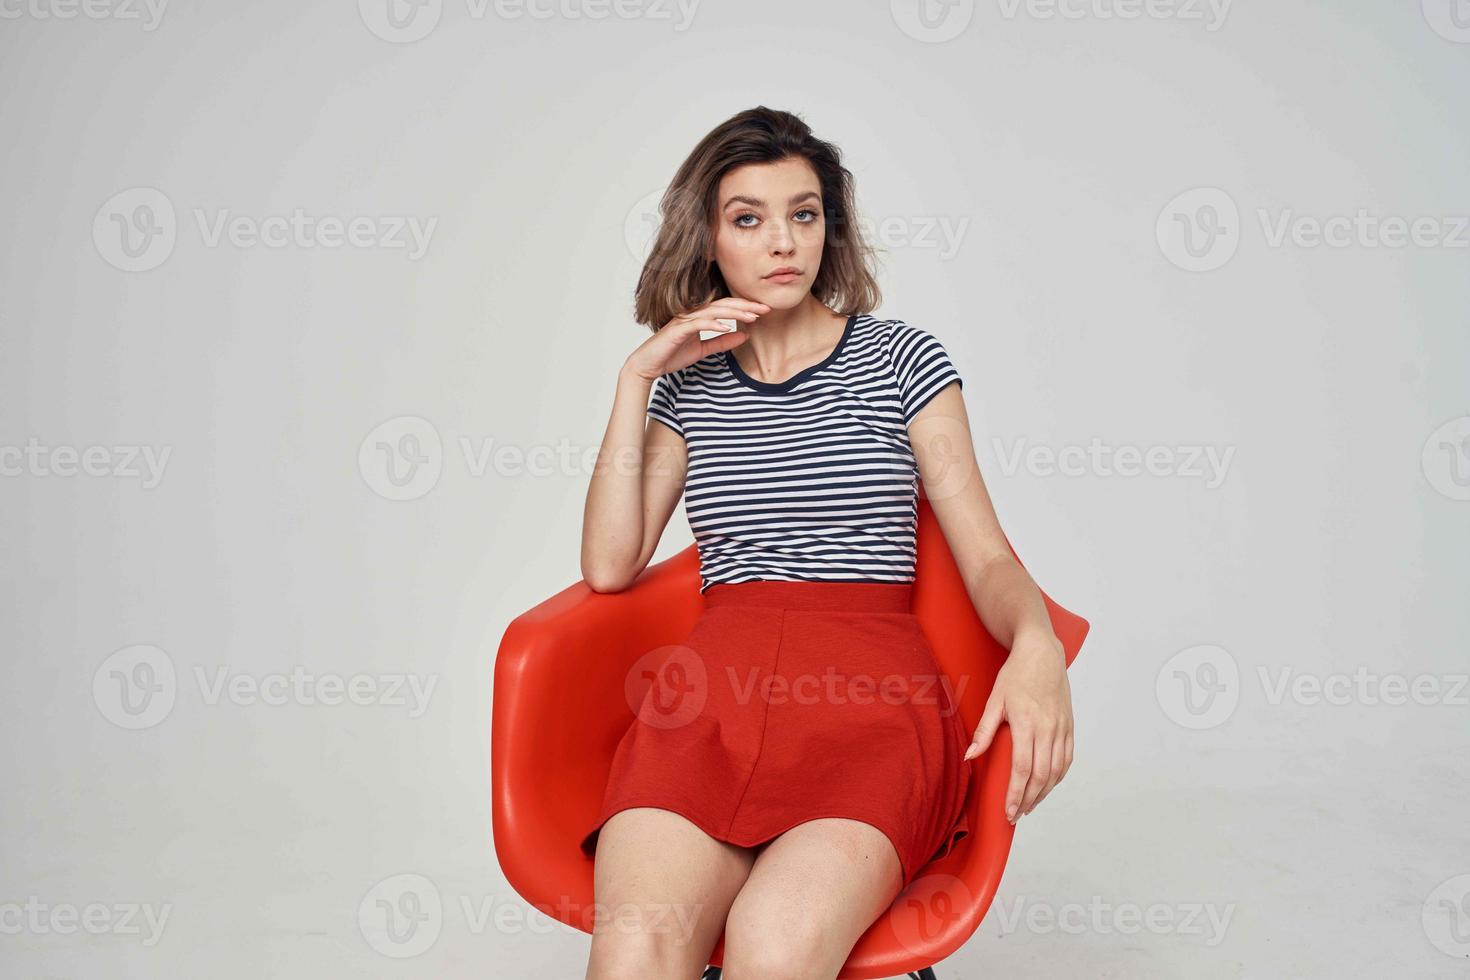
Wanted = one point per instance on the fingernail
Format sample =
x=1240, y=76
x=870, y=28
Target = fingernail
x=970, y=752
x=1011, y=812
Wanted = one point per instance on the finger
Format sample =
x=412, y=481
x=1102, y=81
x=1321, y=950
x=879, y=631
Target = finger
x=680, y=331
x=721, y=312
x=732, y=309
x=737, y=301
x=1040, y=769
x=990, y=720
x=1021, y=764
x=1058, y=770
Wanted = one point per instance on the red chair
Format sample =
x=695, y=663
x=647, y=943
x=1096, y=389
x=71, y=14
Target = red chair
x=560, y=710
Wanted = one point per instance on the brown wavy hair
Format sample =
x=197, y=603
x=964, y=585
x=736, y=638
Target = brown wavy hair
x=680, y=274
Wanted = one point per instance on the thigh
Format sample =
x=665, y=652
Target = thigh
x=662, y=888
x=811, y=894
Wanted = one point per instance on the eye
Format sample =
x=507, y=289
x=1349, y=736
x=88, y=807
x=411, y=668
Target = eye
x=810, y=212
x=741, y=218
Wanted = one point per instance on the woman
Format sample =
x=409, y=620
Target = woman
x=796, y=435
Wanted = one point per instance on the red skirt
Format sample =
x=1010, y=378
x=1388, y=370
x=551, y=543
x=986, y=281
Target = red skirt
x=792, y=701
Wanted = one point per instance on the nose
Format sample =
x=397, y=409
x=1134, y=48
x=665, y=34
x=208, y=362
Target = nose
x=779, y=238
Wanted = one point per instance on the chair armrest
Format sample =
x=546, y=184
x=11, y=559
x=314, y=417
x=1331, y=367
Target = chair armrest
x=559, y=709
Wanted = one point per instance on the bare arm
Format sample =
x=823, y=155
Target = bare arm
x=640, y=469
x=636, y=483
x=1004, y=594
x=1031, y=692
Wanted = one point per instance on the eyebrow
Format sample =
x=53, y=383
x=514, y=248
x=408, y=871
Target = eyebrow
x=756, y=202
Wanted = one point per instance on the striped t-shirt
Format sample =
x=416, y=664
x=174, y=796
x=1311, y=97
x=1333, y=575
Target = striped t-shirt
x=812, y=478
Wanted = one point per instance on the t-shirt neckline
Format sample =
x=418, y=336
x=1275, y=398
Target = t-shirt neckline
x=799, y=376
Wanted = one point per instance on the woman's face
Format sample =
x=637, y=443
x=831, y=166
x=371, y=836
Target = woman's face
x=770, y=217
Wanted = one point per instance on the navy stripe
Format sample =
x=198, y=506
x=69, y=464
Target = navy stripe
x=812, y=479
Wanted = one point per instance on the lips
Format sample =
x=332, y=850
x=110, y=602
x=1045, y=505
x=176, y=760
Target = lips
x=785, y=270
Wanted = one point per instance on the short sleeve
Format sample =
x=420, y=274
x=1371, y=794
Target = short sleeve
x=922, y=366
x=663, y=405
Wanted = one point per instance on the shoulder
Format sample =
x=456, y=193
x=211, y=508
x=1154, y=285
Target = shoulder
x=908, y=343
x=902, y=332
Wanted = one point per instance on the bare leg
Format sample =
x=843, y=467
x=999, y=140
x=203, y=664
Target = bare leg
x=663, y=889
x=810, y=896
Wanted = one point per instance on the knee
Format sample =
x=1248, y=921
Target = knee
x=779, y=950
x=637, y=957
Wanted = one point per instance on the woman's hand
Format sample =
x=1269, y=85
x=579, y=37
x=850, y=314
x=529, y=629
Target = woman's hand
x=676, y=344
x=1032, y=695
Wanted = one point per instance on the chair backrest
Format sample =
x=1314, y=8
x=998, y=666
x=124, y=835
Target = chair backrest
x=563, y=699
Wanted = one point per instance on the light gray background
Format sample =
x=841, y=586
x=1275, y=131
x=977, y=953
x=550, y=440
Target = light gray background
x=1327, y=837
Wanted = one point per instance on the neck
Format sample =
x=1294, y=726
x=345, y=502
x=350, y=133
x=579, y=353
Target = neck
x=785, y=341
